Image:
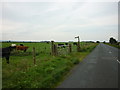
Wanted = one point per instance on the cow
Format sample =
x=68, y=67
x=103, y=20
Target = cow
x=5, y=52
x=24, y=48
x=13, y=45
x=21, y=45
x=66, y=43
x=74, y=43
x=62, y=46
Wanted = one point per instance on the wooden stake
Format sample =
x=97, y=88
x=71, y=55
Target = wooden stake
x=55, y=50
x=78, y=45
x=70, y=48
x=52, y=47
x=34, y=56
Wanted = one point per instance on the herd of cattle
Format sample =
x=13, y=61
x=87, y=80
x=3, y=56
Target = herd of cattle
x=5, y=52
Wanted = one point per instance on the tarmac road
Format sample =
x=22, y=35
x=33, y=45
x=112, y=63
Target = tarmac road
x=98, y=70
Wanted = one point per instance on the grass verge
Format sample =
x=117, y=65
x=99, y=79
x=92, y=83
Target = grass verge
x=117, y=46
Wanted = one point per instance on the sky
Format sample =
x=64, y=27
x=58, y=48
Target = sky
x=58, y=20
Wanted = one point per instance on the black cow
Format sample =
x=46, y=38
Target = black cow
x=74, y=43
x=5, y=52
x=66, y=43
x=62, y=46
x=21, y=45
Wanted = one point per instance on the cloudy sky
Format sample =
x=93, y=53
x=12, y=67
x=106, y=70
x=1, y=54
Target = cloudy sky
x=59, y=21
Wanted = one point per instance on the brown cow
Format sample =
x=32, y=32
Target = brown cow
x=24, y=48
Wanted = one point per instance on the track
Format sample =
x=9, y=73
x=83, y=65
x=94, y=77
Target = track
x=98, y=70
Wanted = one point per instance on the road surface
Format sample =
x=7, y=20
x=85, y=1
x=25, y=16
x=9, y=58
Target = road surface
x=98, y=70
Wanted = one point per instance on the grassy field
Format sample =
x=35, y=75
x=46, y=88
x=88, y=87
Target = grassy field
x=48, y=71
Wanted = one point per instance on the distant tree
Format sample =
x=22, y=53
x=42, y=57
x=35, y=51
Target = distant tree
x=97, y=41
x=112, y=41
x=104, y=42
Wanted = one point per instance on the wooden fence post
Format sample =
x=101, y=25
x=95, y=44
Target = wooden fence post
x=70, y=48
x=34, y=57
x=55, y=50
x=52, y=47
x=78, y=46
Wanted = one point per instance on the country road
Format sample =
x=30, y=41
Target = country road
x=98, y=70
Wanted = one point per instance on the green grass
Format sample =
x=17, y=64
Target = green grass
x=117, y=46
x=48, y=71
